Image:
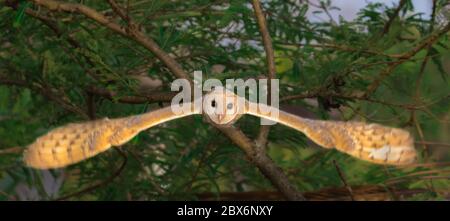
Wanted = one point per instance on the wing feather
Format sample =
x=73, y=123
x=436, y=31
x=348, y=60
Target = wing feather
x=75, y=142
x=371, y=142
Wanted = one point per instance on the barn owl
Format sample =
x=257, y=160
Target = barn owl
x=75, y=142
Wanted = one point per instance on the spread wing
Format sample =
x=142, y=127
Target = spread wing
x=371, y=142
x=75, y=142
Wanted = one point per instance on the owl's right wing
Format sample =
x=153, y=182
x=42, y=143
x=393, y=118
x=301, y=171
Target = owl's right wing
x=75, y=142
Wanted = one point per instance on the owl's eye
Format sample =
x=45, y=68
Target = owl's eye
x=213, y=103
x=229, y=106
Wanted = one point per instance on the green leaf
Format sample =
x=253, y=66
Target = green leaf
x=282, y=62
x=21, y=13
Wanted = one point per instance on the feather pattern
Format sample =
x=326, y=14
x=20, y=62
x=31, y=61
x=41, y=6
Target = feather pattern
x=78, y=141
x=371, y=142
x=75, y=142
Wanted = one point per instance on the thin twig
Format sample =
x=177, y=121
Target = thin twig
x=419, y=82
x=432, y=143
x=119, y=11
x=147, y=173
x=46, y=92
x=431, y=39
x=90, y=103
x=393, y=16
x=336, y=47
x=202, y=160
x=344, y=181
x=154, y=97
x=100, y=184
x=11, y=150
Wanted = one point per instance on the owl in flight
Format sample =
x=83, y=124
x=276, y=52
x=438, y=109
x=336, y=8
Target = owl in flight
x=75, y=142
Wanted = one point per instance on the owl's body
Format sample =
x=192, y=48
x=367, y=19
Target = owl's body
x=78, y=141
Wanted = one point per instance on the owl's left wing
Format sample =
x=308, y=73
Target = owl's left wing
x=75, y=142
x=371, y=142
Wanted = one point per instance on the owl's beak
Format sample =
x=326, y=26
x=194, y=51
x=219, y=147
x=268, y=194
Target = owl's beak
x=220, y=117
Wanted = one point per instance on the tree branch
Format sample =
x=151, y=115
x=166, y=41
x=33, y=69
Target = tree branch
x=132, y=32
x=118, y=10
x=419, y=82
x=263, y=162
x=364, y=193
x=261, y=140
x=46, y=92
x=392, y=17
x=427, y=42
x=154, y=97
x=344, y=181
x=11, y=150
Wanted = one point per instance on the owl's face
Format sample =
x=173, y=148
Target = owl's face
x=222, y=106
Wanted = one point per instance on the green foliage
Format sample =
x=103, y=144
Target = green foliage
x=187, y=157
